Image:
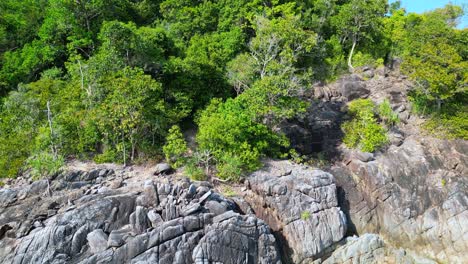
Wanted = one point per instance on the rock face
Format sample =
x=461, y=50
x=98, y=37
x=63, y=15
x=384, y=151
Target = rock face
x=415, y=194
x=370, y=249
x=300, y=205
x=145, y=220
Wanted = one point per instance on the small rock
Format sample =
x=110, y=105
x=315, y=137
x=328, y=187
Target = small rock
x=191, y=209
x=117, y=237
x=192, y=190
x=141, y=220
x=155, y=218
x=363, y=156
x=202, y=190
x=205, y=196
x=216, y=208
x=368, y=73
x=38, y=224
x=97, y=241
x=162, y=168
x=116, y=184
x=150, y=196
x=102, y=173
x=103, y=189
x=51, y=212
x=222, y=217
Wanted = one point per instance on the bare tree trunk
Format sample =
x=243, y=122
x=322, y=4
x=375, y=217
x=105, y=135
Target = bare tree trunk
x=133, y=148
x=439, y=104
x=123, y=144
x=49, y=118
x=351, y=68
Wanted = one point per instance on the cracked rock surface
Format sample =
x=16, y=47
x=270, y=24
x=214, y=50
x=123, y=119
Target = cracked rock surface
x=143, y=219
x=300, y=205
x=415, y=194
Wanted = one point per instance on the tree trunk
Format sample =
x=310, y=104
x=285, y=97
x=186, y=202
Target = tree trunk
x=133, y=149
x=351, y=68
x=123, y=145
x=439, y=104
x=52, y=138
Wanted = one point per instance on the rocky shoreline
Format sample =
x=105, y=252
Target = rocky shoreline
x=405, y=204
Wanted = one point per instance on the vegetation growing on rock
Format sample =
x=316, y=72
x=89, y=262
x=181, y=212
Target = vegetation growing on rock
x=106, y=80
x=363, y=131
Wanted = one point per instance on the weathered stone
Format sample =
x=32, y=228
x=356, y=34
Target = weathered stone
x=97, y=241
x=141, y=220
x=302, y=206
x=154, y=218
x=352, y=87
x=412, y=195
x=162, y=168
x=117, y=237
x=191, y=209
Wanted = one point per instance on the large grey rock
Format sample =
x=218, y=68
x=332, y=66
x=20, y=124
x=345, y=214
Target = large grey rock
x=97, y=240
x=118, y=237
x=368, y=249
x=237, y=239
x=162, y=168
x=414, y=194
x=352, y=87
x=302, y=204
x=148, y=221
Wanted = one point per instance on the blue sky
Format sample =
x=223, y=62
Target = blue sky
x=420, y=6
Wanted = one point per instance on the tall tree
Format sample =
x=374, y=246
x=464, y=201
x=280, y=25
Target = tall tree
x=357, y=21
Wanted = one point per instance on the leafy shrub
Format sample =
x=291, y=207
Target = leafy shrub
x=194, y=172
x=230, y=127
x=387, y=115
x=175, y=147
x=305, y=215
x=230, y=167
x=363, y=131
x=109, y=155
x=364, y=59
x=44, y=164
x=229, y=192
x=449, y=123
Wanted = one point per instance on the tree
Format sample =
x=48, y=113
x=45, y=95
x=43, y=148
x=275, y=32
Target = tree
x=268, y=75
x=132, y=111
x=175, y=146
x=433, y=57
x=357, y=21
x=230, y=128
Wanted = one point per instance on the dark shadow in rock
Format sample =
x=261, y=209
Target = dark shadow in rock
x=3, y=230
x=284, y=248
x=344, y=205
x=318, y=130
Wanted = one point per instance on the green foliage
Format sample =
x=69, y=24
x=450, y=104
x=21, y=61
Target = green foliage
x=363, y=131
x=451, y=122
x=80, y=79
x=175, y=146
x=365, y=59
x=434, y=55
x=230, y=127
x=230, y=167
x=228, y=191
x=107, y=156
x=305, y=215
x=44, y=164
x=386, y=113
x=359, y=21
x=194, y=172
